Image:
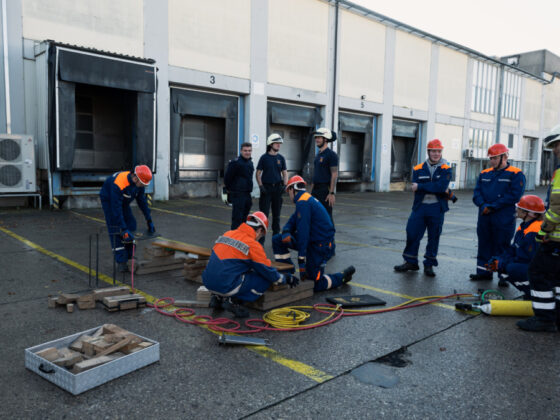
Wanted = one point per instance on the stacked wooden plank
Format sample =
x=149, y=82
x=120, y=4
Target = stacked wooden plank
x=108, y=343
x=156, y=260
x=87, y=300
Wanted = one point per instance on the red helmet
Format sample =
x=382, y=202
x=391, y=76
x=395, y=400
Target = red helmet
x=435, y=144
x=294, y=181
x=531, y=203
x=257, y=219
x=143, y=173
x=497, y=150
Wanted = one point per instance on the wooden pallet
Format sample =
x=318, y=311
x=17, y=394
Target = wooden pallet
x=124, y=302
x=282, y=295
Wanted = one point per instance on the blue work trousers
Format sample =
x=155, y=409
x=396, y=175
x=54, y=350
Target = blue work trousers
x=318, y=253
x=426, y=216
x=252, y=287
x=121, y=251
x=241, y=206
x=518, y=275
x=494, y=232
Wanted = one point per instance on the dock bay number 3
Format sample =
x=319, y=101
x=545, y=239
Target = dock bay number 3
x=212, y=79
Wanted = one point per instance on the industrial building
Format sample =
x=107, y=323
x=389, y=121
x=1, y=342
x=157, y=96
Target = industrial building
x=97, y=87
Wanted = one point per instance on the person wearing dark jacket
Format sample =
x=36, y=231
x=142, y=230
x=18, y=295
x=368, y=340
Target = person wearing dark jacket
x=238, y=181
x=325, y=170
x=430, y=182
x=497, y=190
x=116, y=194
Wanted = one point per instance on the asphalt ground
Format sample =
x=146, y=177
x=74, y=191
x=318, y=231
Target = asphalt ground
x=425, y=362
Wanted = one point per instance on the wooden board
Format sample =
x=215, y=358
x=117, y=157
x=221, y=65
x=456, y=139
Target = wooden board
x=157, y=252
x=121, y=303
x=99, y=294
x=271, y=300
x=159, y=269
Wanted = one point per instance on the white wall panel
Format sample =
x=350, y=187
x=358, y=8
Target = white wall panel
x=532, y=104
x=451, y=82
x=362, y=57
x=211, y=35
x=451, y=138
x=115, y=26
x=412, y=71
x=552, y=105
x=297, y=43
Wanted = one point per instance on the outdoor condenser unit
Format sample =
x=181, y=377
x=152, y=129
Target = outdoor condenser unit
x=17, y=164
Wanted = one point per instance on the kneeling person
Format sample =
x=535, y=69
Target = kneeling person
x=513, y=265
x=238, y=269
x=310, y=231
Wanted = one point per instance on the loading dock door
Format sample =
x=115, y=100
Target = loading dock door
x=404, y=150
x=355, y=147
x=296, y=125
x=202, y=122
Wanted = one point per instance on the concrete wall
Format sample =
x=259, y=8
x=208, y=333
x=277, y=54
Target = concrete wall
x=552, y=105
x=531, y=107
x=362, y=57
x=211, y=36
x=115, y=26
x=451, y=82
x=412, y=71
x=297, y=43
x=451, y=137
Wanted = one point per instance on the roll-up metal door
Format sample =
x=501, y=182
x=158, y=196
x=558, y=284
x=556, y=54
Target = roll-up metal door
x=404, y=149
x=355, y=147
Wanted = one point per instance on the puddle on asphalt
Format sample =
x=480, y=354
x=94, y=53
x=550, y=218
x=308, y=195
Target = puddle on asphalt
x=396, y=358
x=376, y=374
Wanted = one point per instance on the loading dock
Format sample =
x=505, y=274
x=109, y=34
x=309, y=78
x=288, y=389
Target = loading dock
x=404, y=152
x=356, y=147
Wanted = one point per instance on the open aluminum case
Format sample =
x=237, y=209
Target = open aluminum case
x=84, y=381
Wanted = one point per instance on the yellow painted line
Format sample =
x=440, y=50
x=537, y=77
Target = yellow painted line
x=388, y=292
x=299, y=367
x=177, y=213
x=95, y=219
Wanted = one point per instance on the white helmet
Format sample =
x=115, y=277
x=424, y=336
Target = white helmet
x=552, y=138
x=274, y=138
x=326, y=133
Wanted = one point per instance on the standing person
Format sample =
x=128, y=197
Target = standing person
x=311, y=232
x=272, y=177
x=238, y=270
x=497, y=190
x=116, y=194
x=325, y=172
x=238, y=181
x=430, y=182
x=544, y=270
x=512, y=266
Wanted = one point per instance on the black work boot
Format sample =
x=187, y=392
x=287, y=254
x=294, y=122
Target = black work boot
x=348, y=273
x=233, y=306
x=480, y=277
x=216, y=302
x=406, y=267
x=123, y=267
x=429, y=271
x=536, y=324
x=502, y=282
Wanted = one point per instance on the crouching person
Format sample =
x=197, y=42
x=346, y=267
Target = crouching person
x=310, y=231
x=238, y=270
x=513, y=265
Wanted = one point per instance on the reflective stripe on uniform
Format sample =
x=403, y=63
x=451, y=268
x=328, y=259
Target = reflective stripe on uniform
x=543, y=295
x=281, y=256
x=329, y=281
x=545, y=306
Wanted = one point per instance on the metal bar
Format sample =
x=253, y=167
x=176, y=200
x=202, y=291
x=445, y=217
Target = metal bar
x=97, y=260
x=243, y=340
x=89, y=267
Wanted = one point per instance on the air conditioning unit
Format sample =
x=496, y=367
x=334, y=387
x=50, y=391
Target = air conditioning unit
x=468, y=153
x=17, y=164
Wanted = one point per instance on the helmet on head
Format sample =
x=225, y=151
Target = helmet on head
x=497, y=150
x=257, y=219
x=143, y=173
x=552, y=138
x=329, y=135
x=435, y=144
x=274, y=138
x=297, y=182
x=531, y=203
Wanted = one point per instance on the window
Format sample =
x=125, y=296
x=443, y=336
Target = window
x=510, y=141
x=511, y=96
x=484, y=88
x=480, y=140
x=529, y=149
x=453, y=172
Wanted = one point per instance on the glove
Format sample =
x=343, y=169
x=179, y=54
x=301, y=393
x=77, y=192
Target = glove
x=493, y=264
x=291, y=280
x=263, y=189
x=127, y=237
x=151, y=227
x=542, y=237
x=225, y=196
x=301, y=265
x=286, y=237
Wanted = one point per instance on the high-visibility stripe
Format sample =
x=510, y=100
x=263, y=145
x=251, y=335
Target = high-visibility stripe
x=547, y=306
x=329, y=281
x=543, y=295
x=281, y=256
x=121, y=180
x=482, y=268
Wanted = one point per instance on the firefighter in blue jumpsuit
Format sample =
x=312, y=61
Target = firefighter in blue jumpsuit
x=238, y=181
x=325, y=172
x=311, y=232
x=430, y=182
x=238, y=269
x=116, y=194
x=513, y=265
x=497, y=190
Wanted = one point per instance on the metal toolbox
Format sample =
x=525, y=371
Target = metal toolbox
x=84, y=381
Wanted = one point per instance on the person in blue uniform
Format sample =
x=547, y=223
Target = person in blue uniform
x=325, y=170
x=309, y=231
x=238, y=270
x=513, y=265
x=497, y=190
x=116, y=194
x=272, y=177
x=430, y=184
x=238, y=181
